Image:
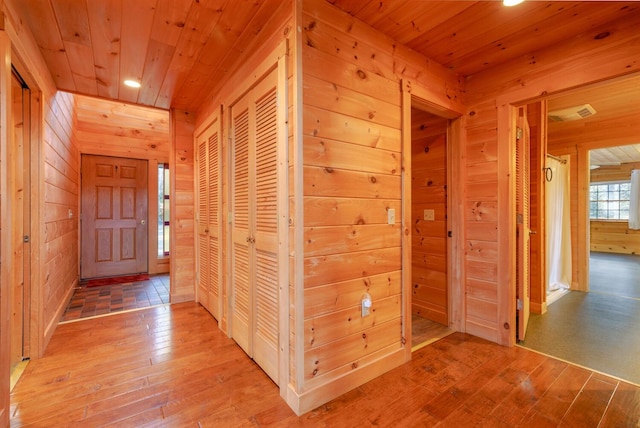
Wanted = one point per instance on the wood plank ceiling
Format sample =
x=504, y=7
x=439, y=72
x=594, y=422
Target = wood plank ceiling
x=180, y=49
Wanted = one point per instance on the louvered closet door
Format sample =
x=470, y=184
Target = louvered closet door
x=523, y=223
x=215, y=232
x=255, y=241
x=203, y=224
x=209, y=218
x=242, y=302
x=266, y=229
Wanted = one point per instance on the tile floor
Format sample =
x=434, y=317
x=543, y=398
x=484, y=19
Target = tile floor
x=93, y=301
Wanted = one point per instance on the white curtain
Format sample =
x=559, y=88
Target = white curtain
x=634, y=202
x=558, y=225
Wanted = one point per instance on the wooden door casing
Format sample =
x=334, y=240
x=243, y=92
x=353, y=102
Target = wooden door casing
x=114, y=216
x=254, y=237
x=21, y=215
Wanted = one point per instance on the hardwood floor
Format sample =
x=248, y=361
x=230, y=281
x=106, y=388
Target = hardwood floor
x=171, y=366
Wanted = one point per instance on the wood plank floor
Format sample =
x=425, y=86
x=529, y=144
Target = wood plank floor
x=171, y=366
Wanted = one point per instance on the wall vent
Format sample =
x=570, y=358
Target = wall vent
x=572, y=113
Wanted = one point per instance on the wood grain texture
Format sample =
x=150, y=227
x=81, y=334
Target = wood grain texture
x=183, y=227
x=154, y=367
x=429, y=285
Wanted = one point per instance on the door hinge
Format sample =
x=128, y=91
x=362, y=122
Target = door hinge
x=519, y=304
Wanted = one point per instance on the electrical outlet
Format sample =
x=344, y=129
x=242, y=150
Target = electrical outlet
x=429, y=215
x=366, y=305
x=391, y=216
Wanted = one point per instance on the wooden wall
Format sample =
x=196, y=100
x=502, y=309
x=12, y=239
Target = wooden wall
x=352, y=177
x=490, y=96
x=481, y=222
x=61, y=208
x=6, y=230
x=55, y=203
x=110, y=128
x=614, y=236
x=429, y=287
x=182, y=216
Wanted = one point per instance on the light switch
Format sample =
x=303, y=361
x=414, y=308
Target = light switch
x=391, y=216
x=429, y=215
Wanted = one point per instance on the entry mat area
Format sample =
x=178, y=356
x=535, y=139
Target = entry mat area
x=125, y=279
x=97, y=301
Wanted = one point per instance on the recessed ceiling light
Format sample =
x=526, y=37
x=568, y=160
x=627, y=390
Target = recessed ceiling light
x=511, y=2
x=132, y=83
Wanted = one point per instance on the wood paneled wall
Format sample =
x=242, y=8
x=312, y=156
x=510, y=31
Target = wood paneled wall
x=490, y=96
x=61, y=208
x=55, y=203
x=182, y=216
x=6, y=231
x=614, y=236
x=429, y=287
x=481, y=222
x=352, y=177
x=620, y=172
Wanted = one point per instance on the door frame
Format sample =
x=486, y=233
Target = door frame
x=24, y=172
x=416, y=96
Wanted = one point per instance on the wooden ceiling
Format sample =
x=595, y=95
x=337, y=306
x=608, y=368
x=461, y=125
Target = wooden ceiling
x=179, y=49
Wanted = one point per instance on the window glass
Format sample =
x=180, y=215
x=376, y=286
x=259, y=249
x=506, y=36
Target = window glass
x=163, y=210
x=609, y=201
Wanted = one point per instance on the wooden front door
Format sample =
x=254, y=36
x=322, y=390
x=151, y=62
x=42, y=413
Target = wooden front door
x=114, y=216
x=254, y=236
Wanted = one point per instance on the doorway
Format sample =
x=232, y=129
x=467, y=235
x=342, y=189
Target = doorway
x=587, y=326
x=21, y=214
x=429, y=204
x=114, y=199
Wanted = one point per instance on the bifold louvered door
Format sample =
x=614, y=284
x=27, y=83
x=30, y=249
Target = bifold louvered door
x=523, y=226
x=209, y=233
x=254, y=241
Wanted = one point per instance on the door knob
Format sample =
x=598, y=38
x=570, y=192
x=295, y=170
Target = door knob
x=143, y=222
